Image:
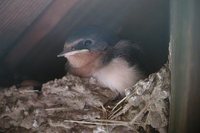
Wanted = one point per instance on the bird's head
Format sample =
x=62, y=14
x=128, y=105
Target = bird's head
x=86, y=44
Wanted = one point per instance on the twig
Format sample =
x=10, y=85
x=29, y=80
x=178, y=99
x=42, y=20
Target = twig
x=99, y=122
x=56, y=109
x=121, y=101
x=119, y=112
x=28, y=91
x=58, y=124
x=133, y=121
x=115, y=113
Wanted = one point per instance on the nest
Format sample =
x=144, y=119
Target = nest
x=72, y=104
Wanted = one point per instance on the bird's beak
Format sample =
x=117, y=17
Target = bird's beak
x=69, y=52
x=65, y=51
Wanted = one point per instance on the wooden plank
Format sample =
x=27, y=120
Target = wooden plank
x=47, y=21
x=185, y=93
x=15, y=17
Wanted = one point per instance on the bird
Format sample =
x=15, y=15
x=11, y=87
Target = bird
x=97, y=53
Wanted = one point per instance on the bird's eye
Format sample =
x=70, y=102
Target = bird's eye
x=87, y=42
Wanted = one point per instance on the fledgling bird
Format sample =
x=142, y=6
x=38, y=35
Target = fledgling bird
x=93, y=52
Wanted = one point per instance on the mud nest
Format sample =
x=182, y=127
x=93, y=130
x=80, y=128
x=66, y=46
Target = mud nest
x=75, y=105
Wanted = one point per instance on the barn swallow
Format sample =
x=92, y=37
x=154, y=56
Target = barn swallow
x=92, y=52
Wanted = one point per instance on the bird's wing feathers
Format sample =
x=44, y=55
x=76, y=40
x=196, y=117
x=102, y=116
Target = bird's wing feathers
x=126, y=50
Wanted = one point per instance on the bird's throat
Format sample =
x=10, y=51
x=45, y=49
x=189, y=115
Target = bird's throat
x=84, y=64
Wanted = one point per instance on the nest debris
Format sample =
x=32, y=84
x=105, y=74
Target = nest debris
x=75, y=105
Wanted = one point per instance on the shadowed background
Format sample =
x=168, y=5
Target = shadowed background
x=32, y=33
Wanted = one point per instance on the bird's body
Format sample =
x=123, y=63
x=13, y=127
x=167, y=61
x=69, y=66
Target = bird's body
x=116, y=66
x=121, y=68
x=117, y=75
